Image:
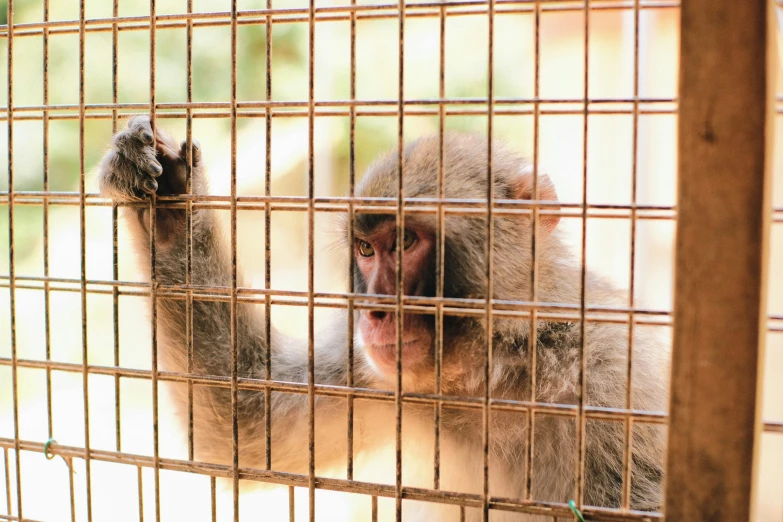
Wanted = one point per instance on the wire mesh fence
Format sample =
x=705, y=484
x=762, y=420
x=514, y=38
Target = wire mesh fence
x=285, y=107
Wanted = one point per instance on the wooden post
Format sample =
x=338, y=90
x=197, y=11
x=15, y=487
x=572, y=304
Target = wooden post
x=722, y=236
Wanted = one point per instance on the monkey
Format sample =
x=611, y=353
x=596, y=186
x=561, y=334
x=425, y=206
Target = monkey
x=143, y=161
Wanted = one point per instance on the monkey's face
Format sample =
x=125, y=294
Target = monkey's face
x=376, y=264
x=464, y=256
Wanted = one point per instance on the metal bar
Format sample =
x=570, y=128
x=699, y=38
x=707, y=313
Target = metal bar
x=267, y=104
x=330, y=14
x=244, y=203
x=8, y=478
x=83, y=258
x=233, y=217
x=455, y=307
x=351, y=242
x=291, y=505
x=399, y=278
x=367, y=204
x=213, y=497
x=440, y=247
x=628, y=425
x=365, y=488
x=115, y=233
x=453, y=206
x=12, y=264
x=719, y=277
x=532, y=338
x=153, y=227
x=581, y=420
x=773, y=427
x=597, y=412
x=71, y=488
x=13, y=518
x=178, y=114
x=420, y=207
x=189, y=227
x=45, y=208
x=268, y=244
x=140, y=489
x=486, y=413
x=311, y=257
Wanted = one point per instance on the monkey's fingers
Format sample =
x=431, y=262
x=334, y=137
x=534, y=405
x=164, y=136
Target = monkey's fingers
x=174, y=160
x=196, y=150
x=175, y=165
x=129, y=170
x=136, y=145
x=140, y=164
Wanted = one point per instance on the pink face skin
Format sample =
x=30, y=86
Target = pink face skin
x=376, y=258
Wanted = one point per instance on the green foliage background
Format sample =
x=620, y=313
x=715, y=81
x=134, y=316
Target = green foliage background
x=376, y=79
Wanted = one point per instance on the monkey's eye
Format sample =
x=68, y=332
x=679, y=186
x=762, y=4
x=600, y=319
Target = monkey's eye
x=407, y=240
x=365, y=249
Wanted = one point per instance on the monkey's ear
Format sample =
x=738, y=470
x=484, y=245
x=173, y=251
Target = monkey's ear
x=522, y=188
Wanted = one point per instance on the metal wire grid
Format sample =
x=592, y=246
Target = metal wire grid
x=153, y=287
x=439, y=306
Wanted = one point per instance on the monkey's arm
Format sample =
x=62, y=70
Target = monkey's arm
x=131, y=171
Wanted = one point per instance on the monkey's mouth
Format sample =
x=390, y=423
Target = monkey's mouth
x=393, y=346
x=384, y=356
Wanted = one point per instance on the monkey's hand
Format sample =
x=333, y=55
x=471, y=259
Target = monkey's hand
x=138, y=165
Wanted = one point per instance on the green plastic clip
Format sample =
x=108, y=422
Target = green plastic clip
x=49, y=456
x=577, y=514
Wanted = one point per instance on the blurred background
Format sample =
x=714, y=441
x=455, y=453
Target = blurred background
x=610, y=169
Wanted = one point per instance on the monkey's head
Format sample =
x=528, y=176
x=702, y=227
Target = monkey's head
x=464, y=270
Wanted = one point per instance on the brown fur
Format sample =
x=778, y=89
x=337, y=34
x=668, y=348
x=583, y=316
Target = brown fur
x=125, y=174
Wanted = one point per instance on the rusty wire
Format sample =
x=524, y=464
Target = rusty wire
x=490, y=266
x=339, y=13
x=366, y=488
x=454, y=401
x=351, y=258
x=268, y=250
x=311, y=478
x=189, y=226
x=440, y=248
x=8, y=476
x=581, y=419
x=341, y=108
x=83, y=260
x=115, y=85
x=399, y=219
x=153, y=242
x=413, y=206
x=234, y=326
x=535, y=221
x=773, y=427
x=628, y=424
x=47, y=303
x=12, y=278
